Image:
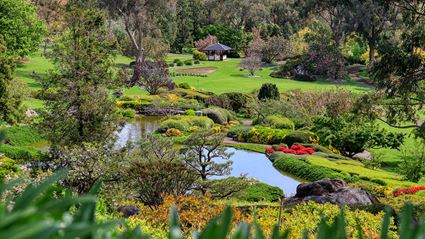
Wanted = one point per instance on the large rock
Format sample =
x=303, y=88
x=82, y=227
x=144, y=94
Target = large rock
x=332, y=191
x=128, y=211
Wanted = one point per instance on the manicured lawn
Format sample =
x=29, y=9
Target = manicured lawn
x=228, y=78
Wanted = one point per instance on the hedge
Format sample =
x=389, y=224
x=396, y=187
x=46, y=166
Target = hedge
x=260, y=192
x=218, y=115
x=183, y=123
x=22, y=135
x=21, y=153
x=297, y=167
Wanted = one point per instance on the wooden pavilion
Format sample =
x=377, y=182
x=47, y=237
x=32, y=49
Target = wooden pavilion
x=217, y=52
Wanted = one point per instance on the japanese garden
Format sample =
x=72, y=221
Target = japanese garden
x=212, y=119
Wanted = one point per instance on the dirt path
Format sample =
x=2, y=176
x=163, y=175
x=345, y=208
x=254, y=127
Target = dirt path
x=200, y=70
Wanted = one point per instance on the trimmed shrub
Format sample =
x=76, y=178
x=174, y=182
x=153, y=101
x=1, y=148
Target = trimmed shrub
x=190, y=112
x=260, y=192
x=7, y=167
x=269, y=91
x=293, y=165
x=171, y=65
x=278, y=122
x=259, y=134
x=188, y=62
x=184, y=85
x=300, y=137
x=199, y=56
x=177, y=61
x=183, y=123
x=128, y=113
x=196, y=62
x=180, y=63
x=21, y=153
x=218, y=115
x=172, y=132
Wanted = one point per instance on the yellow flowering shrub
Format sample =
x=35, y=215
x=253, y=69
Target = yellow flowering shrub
x=172, y=132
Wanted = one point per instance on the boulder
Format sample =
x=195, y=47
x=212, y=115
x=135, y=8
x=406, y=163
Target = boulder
x=128, y=211
x=332, y=191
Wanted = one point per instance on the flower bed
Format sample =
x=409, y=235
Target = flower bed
x=411, y=190
x=294, y=149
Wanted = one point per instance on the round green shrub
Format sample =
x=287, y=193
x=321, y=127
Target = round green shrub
x=196, y=62
x=184, y=85
x=7, y=167
x=179, y=63
x=183, y=123
x=128, y=113
x=188, y=62
x=278, y=122
x=177, y=60
x=237, y=101
x=299, y=137
x=171, y=65
x=269, y=91
x=218, y=115
x=190, y=112
x=172, y=123
x=260, y=192
x=199, y=56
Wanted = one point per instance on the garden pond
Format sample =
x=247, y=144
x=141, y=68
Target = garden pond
x=249, y=164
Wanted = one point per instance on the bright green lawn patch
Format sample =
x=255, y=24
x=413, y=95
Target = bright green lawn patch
x=228, y=78
x=356, y=168
x=22, y=135
x=249, y=147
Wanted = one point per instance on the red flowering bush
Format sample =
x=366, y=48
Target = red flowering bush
x=294, y=149
x=411, y=190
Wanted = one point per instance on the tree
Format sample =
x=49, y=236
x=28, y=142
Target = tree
x=251, y=64
x=156, y=169
x=21, y=29
x=203, y=43
x=268, y=91
x=234, y=38
x=201, y=152
x=51, y=12
x=352, y=135
x=413, y=164
x=370, y=18
x=276, y=48
x=152, y=76
x=184, y=36
x=140, y=17
x=79, y=108
x=12, y=92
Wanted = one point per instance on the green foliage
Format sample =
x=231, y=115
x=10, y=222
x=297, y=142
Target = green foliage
x=260, y=135
x=81, y=109
x=190, y=112
x=184, y=85
x=200, y=56
x=183, y=123
x=127, y=113
x=413, y=164
x=22, y=153
x=218, y=115
x=352, y=135
x=232, y=37
x=294, y=165
x=257, y=192
x=226, y=187
x=238, y=102
x=269, y=91
x=20, y=27
x=188, y=62
x=7, y=167
x=22, y=135
x=300, y=137
x=37, y=211
x=278, y=122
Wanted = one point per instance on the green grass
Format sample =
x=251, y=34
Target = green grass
x=259, y=148
x=228, y=78
x=357, y=168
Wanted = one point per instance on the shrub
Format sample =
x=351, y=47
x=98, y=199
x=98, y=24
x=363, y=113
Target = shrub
x=199, y=56
x=295, y=166
x=180, y=63
x=411, y=190
x=218, y=115
x=278, y=122
x=196, y=62
x=183, y=123
x=7, y=167
x=171, y=65
x=184, y=85
x=299, y=137
x=21, y=153
x=128, y=113
x=237, y=101
x=177, y=60
x=260, y=192
x=190, y=112
x=269, y=91
x=188, y=62
x=259, y=134
x=172, y=132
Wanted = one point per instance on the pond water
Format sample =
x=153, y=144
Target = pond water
x=251, y=164
x=258, y=166
x=134, y=129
